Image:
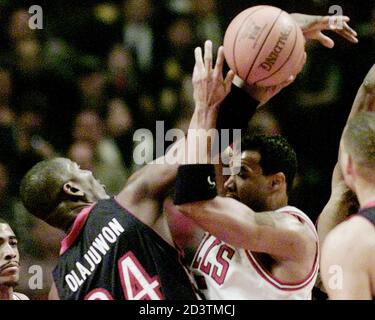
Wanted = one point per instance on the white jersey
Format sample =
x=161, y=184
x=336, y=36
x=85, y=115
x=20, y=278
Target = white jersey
x=227, y=273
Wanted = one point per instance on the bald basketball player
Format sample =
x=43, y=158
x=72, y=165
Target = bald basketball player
x=9, y=264
x=116, y=247
x=348, y=255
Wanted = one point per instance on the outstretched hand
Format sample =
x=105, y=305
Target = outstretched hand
x=312, y=27
x=264, y=94
x=210, y=88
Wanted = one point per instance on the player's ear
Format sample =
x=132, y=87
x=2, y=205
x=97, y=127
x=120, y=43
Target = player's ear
x=277, y=181
x=348, y=169
x=73, y=189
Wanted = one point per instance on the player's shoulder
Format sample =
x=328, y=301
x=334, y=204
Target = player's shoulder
x=354, y=235
x=296, y=221
x=294, y=216
x=291, y=209
x=355, y=227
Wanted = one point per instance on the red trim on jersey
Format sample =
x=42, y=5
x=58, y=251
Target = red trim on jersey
x=16, y=296
x=78, y=224
x=368, y=205
x=177, y=249
x=99, y=290
x=133, y=279
x=279, y=284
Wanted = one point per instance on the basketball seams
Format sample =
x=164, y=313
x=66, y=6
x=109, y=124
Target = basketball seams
x=286, y=60
x=261, y=47
x=238, y=32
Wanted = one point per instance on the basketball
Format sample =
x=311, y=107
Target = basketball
x=264, y=46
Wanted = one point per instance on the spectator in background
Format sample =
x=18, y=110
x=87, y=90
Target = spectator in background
x=83, y=154
x=19, y=26
x=92, y=84
x=31, y=144
x=176, y=70
x=265, y=122
x=6, y=88
x=122, y=76
x=138, y=33
x=120, y=126
x=109, y=165
x=207, y=21
x=7, y=119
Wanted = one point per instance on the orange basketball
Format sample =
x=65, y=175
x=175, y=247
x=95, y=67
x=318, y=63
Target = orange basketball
x=264, y=46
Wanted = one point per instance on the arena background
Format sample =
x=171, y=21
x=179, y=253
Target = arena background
x=99, y=70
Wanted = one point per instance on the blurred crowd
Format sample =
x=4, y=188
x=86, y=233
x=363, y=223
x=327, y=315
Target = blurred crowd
x=99, y=70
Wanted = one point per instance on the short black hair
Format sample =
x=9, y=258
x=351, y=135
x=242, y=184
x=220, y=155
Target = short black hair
x=41, y=187
x=2, y=221
x=276, y=155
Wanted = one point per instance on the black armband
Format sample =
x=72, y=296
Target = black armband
x=195, y=182
x=236, y=110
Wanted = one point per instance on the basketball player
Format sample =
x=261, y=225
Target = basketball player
x=9, y=264
x=116, y=247
x=348, y=251
x=257, y=247
x=147, y=265
x=343, y=201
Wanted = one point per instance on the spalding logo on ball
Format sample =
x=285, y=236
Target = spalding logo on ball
x=264, y=46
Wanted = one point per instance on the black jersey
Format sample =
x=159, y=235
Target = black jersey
x=368, y=213
x=110, y=254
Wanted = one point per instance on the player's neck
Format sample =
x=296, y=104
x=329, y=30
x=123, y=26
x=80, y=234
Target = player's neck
x=365, y=192
x=6, y=292
x=65, y=214
x=276, y=201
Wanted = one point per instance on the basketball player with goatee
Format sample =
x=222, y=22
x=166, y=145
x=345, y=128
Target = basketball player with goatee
x=9, y=264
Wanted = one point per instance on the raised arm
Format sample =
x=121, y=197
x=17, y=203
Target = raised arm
x=147, y=187
x=342, y=201
x=275, y=233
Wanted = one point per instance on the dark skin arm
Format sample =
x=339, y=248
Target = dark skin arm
x=146, y=189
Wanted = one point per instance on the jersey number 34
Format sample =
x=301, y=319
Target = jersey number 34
x=135, y=282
